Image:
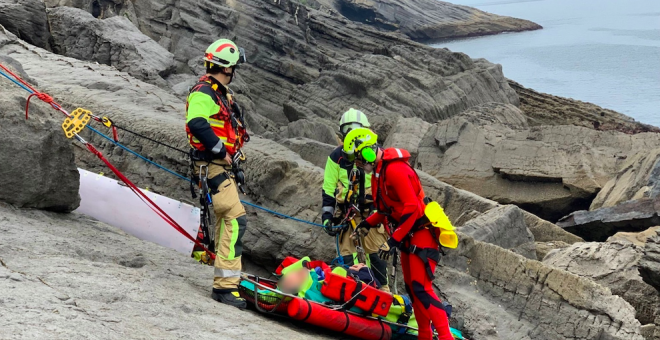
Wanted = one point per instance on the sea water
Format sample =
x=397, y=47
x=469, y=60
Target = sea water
x=606, y=52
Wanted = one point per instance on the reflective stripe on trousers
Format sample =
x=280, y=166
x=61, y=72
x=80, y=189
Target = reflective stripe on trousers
x=226, y=272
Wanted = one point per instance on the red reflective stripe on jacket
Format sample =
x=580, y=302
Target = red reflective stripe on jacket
x=232, y=138
x=397, y=192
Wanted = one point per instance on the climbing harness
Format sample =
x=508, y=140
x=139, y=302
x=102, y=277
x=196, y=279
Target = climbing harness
x=352, y=209
x=237, y=170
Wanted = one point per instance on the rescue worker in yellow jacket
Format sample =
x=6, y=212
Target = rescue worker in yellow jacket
x=216, y=131
x=336, y=185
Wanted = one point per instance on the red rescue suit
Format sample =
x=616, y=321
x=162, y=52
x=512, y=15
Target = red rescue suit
x=399, y=198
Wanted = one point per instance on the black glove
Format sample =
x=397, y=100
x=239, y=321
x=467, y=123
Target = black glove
x=329, y=228
x=362, y=229
x=386, y=254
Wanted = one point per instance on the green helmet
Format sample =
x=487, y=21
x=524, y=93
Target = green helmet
x=224, y=53
x=352, y=119
x=360, y=144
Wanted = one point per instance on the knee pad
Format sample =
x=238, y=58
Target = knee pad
x=242, y=226
x=242, y=223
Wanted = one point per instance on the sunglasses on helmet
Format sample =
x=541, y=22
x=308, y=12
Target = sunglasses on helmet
x=241, y=56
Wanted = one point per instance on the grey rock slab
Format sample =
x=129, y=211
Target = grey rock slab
x=614, y=265
x=113, y=301
x=504, y=226
x=310, y=150
x=550, y=171
x=27, y=19
x=113, y=41
x=428, y=19
x=504, y=295
x=649, y=266
x=36, y=161
x=637, y=178
x=598, y=225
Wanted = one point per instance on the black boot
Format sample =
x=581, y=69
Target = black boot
x=230, y=297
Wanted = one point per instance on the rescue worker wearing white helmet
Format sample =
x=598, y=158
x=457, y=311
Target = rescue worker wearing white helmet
x=336, y=186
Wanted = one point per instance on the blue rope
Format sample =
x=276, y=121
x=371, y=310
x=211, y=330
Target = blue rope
x=339, y=259
x=164, y=168
x=282, y=215
x=16, y=82
x=189, y=180
x=140, y=156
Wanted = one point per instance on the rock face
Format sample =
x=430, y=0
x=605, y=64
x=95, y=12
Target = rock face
x=649, y=266
x=429, y=19
x=638, y=239
x=598, y=225
x=546, y=109
x=36, y=161
x=549, y=170
x=407, y=134
x=26, y=19
x=462, y=206
x=313, y=129
x=544, y=248
x=523, y=299
x=114, y=41
x=82, y=276
x=503, y=295
x=613, y=265
x=505, y=227
x=310, y=150
x=306, y=62
x=417, y=19
x=99, y=9
x=638, y=178
x=434, y=83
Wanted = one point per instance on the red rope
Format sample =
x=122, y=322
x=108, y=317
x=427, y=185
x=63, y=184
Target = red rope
x=42, y=96
x=148, y=201
x=18, y=78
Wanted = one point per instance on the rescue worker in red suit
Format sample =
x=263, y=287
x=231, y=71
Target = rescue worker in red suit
x=399, y=200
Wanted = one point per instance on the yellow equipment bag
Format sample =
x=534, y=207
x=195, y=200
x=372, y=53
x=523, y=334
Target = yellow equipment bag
x=439, y=219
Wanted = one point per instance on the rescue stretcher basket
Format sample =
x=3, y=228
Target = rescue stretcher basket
x=266, y=298
x=264, y=303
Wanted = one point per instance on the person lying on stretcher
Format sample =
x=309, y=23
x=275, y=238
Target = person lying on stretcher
x=316, y=281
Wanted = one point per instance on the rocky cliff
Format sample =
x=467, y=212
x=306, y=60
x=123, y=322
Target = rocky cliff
x=425, y=20
x=464, y=122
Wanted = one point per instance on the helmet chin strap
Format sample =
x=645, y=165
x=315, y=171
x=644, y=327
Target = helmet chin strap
x=230, y=74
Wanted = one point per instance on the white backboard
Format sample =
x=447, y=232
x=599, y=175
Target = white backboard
x=113, y=203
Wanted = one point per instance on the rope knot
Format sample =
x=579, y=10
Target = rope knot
x=44, y=97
